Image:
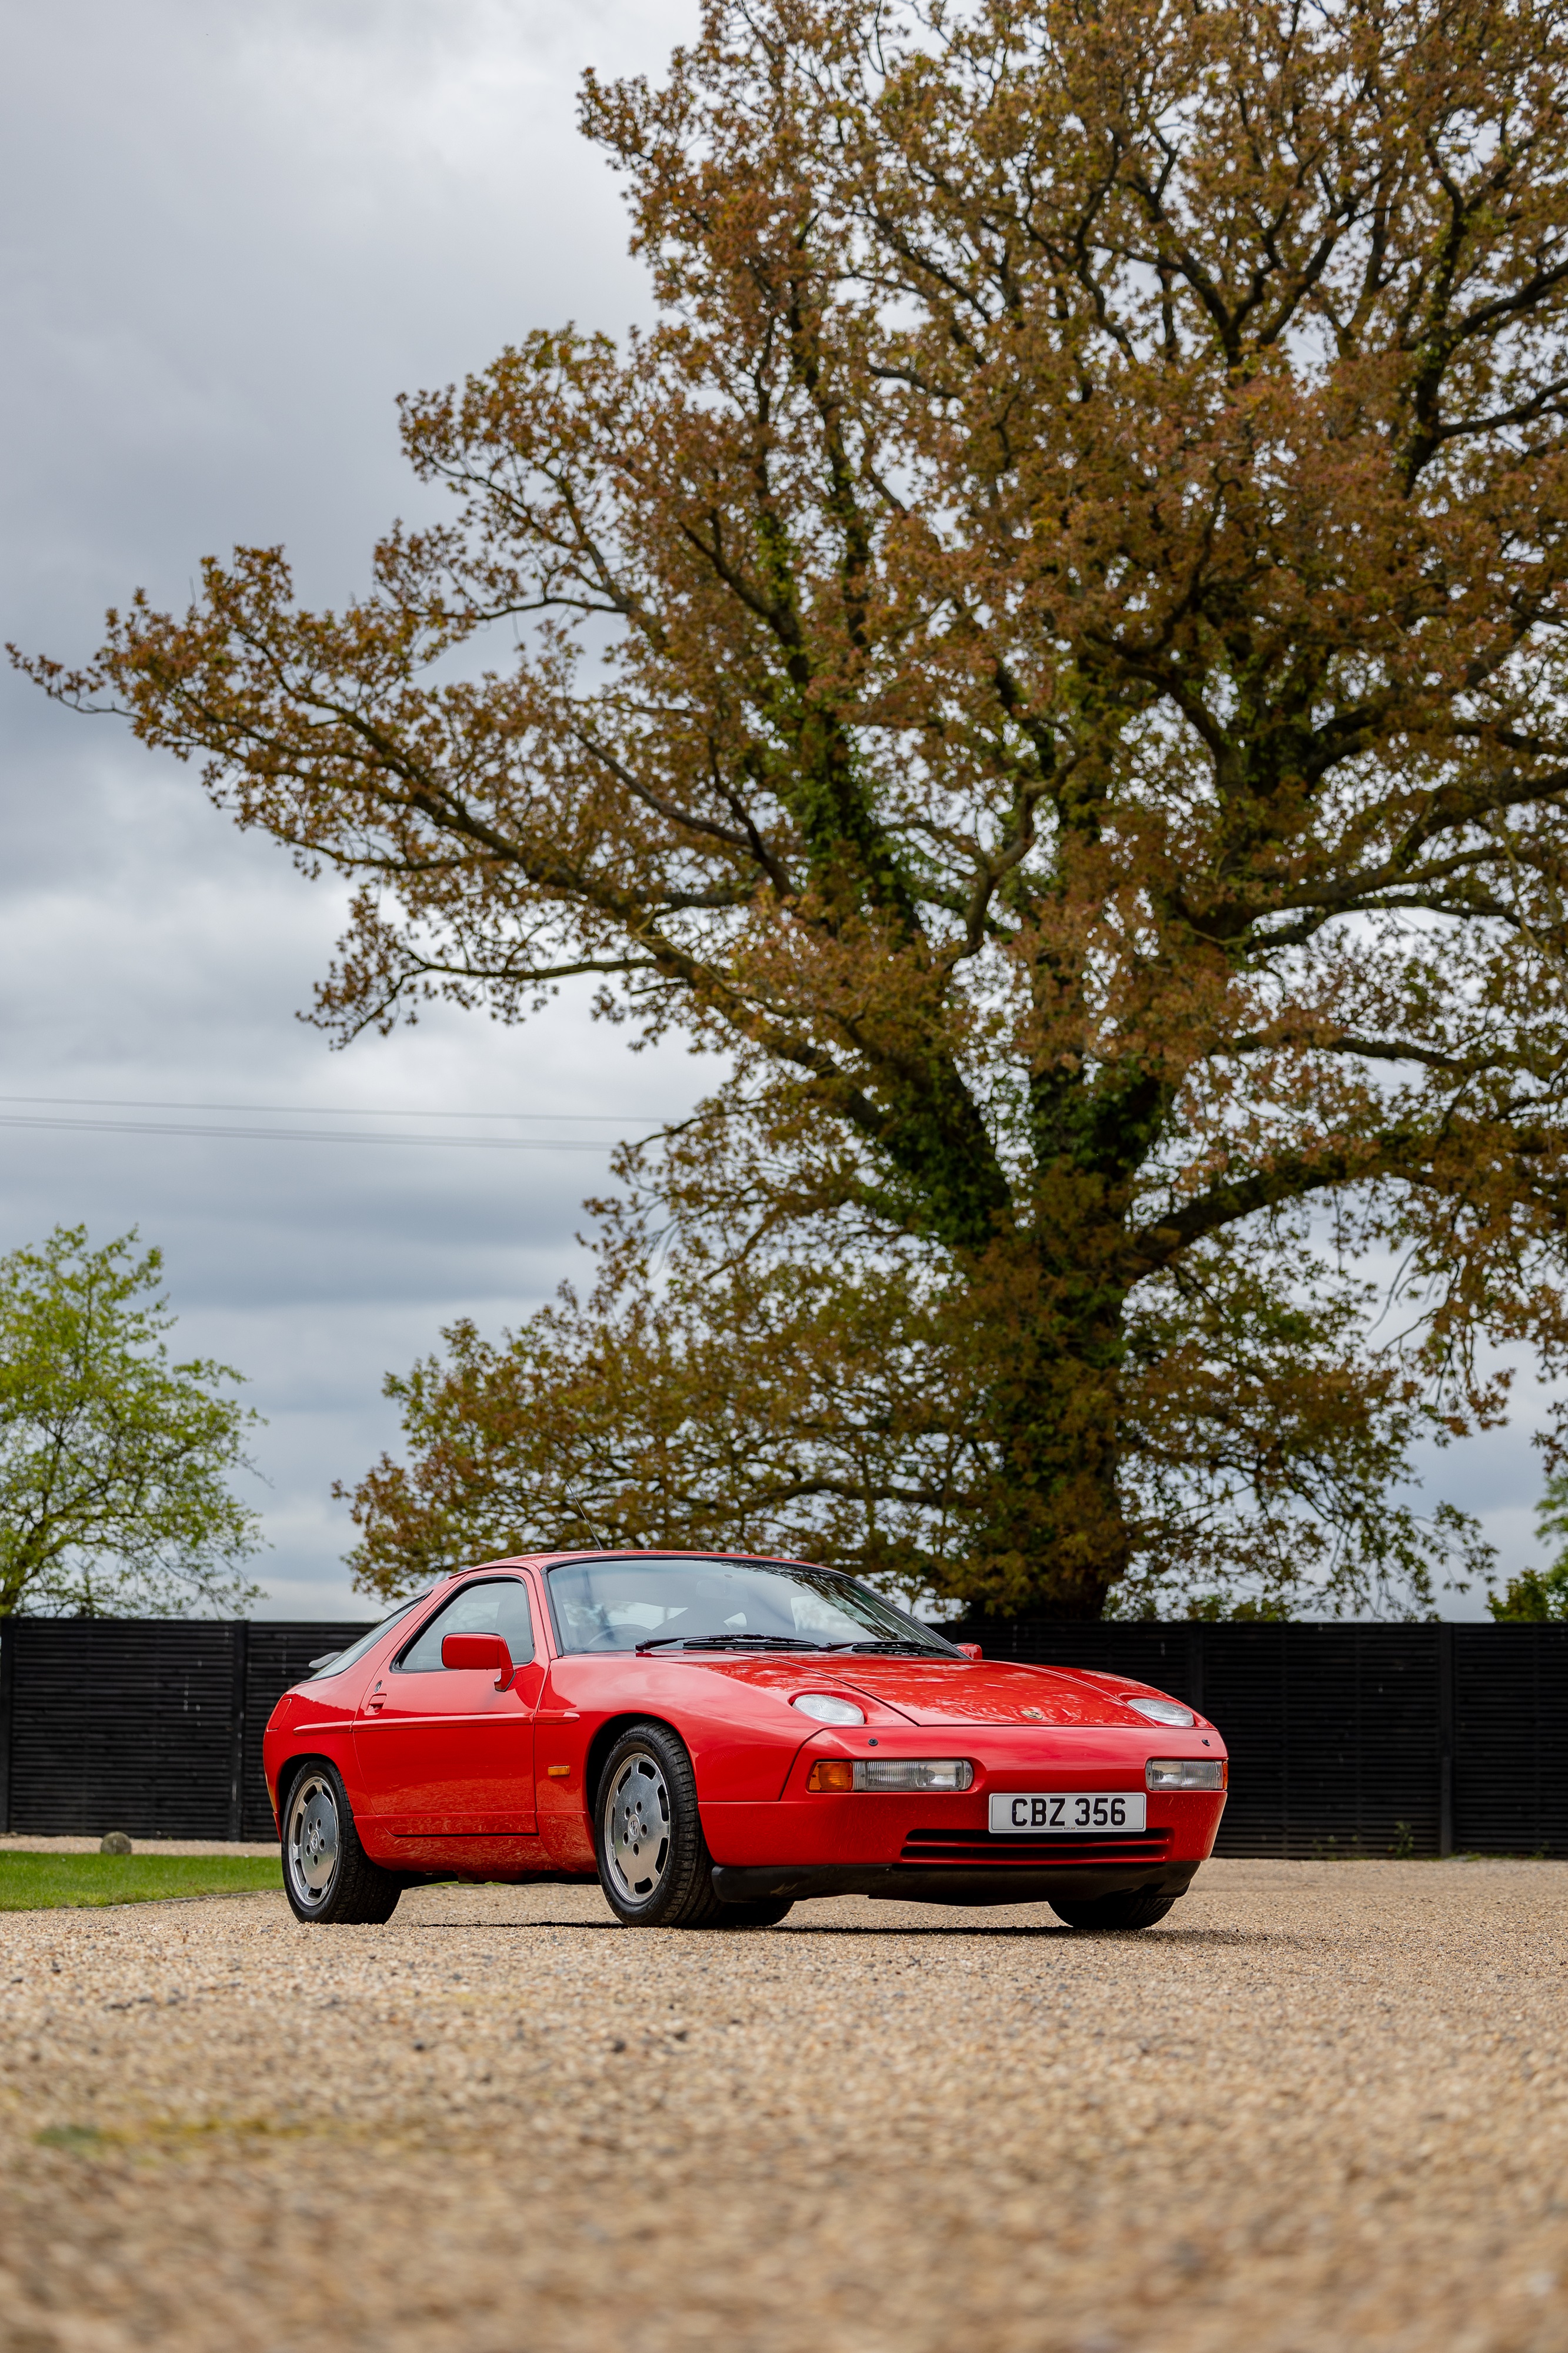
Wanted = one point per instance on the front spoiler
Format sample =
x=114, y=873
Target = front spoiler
x=943, y=1883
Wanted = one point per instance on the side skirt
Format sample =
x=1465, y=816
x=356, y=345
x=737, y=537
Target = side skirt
x=499, y=1877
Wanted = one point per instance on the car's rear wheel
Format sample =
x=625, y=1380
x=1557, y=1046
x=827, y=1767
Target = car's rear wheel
x=328, y=1877
x=654, y=1863
x=1139, y=1908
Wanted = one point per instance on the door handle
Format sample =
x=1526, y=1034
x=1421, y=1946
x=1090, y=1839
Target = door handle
x=377, y=1700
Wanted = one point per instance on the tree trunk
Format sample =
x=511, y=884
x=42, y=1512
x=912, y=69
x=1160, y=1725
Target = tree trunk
x=1047, y=1346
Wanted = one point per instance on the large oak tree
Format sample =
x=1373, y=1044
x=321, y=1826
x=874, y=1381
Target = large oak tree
x=1051, y=655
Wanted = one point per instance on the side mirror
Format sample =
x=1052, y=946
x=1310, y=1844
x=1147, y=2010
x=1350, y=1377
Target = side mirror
x=970, y=1650
x=478, y=1650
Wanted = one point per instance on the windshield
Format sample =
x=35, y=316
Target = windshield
x=342, y=1659
x=649, y=1602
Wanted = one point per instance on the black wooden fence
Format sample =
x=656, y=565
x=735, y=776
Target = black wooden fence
x=145, y=1725
x=1343, y=1738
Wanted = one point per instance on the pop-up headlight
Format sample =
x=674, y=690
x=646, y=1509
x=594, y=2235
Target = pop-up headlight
x=828, y=1708
x=1159, y=1711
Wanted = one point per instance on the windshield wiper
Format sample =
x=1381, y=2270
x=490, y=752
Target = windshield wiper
x=890, y=1649
x=730, y=1643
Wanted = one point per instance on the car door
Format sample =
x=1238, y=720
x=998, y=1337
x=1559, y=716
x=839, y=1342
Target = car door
x=441, y=1752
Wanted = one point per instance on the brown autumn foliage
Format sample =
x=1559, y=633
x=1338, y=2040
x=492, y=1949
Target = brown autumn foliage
x=833, y=1396
x=1049, y=657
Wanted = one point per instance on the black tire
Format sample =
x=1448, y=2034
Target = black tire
x=1139, y=1908
x=766, y=1914
x=654, y=1863
x=328, y=1877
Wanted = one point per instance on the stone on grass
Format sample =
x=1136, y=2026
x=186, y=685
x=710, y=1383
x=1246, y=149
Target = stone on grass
x=114, y=1843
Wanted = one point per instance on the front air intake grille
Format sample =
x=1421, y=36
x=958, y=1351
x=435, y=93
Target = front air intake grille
x=955, y=1850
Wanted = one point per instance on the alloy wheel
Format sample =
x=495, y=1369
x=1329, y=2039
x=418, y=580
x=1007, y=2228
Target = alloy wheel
x=638, y=1827
x=312, y=1843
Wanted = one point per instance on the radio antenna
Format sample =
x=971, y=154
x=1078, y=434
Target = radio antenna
x=599, y=1545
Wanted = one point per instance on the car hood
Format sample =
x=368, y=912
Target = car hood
x=975, y=1690
x=989, y=1692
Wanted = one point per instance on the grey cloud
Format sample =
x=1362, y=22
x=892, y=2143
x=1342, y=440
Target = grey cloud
x=234, y=236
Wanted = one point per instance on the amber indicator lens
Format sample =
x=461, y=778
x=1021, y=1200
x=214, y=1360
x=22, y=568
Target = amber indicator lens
x=1184, y=1773
x=831, y=1773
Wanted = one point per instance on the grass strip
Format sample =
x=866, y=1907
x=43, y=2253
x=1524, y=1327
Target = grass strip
x=45, y=1883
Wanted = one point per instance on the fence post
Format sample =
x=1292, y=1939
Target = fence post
x=238, y=1677
x=1446, y=1740
x=7, y=1709
x=1196, y=1645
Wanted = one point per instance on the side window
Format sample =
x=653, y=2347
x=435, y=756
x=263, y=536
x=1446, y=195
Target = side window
x=500, y=1607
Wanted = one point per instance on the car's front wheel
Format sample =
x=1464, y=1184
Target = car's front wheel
x=654, y=1863
x=1139, y=1908
x=328, y=1877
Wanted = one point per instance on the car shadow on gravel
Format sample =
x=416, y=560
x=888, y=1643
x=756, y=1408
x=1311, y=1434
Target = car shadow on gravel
x=1015, y=1929
x=1029, y=1930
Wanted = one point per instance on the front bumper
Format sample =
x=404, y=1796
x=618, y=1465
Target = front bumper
x=933, y=1832
x=933, y=1847
x=898, y=1883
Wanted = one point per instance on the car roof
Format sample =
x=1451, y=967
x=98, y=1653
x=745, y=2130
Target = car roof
x=647, y=1552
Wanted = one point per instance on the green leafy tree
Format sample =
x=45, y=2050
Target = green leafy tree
x=1537, y=1594
x=113, y=1461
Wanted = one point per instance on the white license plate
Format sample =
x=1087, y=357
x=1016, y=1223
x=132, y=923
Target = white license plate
x=1055, y=1813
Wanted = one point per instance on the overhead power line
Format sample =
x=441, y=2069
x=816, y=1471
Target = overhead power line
x=54, y=1118
x=328, y=1111
x=314, y=1134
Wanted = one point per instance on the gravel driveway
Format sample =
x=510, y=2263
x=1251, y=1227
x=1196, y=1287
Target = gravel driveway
x=1324, y=2104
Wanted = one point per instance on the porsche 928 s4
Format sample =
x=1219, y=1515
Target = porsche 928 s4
x=713, y=1736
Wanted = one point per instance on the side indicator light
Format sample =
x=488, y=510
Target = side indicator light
x=557, y=1772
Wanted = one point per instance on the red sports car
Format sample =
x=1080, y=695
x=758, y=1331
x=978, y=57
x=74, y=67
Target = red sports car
x=714, y=1735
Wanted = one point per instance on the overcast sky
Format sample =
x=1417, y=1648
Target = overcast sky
x=232, y=234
